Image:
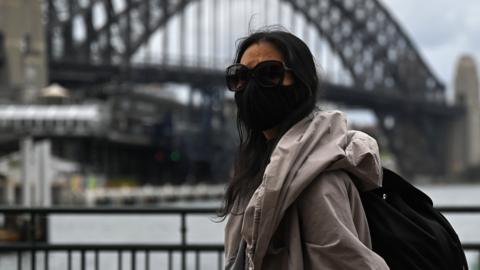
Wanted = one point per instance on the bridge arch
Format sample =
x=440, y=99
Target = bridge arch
x=388, y=74
x=369, y=42
x=372, y=45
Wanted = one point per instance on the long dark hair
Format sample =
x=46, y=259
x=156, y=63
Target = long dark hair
x=254, y=150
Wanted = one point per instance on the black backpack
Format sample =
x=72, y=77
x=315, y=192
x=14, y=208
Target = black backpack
x=406, y=231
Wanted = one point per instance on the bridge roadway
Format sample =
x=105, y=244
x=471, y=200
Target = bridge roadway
x=387, y=72
x=213, y=78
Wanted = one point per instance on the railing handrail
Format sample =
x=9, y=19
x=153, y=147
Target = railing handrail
x=459, y=209
x=109, y=210
x=168, y=210
x=26, y=246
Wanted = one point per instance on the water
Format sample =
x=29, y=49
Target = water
x=150, y=229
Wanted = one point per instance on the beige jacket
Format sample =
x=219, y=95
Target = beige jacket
x=307, y=213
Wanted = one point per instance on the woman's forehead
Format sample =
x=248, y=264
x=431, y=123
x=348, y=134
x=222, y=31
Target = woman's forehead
x=259, y=52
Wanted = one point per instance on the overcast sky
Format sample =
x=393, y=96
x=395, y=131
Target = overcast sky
x=442, y=30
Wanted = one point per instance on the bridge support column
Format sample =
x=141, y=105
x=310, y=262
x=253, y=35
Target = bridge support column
x=36, y=172
x=25, y=51
x=43, y=183
x=27, y=159
x=9, y=191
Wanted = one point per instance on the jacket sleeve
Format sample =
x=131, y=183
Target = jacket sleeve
x=334, y=228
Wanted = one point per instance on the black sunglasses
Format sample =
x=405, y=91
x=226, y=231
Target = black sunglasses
x=267, y=74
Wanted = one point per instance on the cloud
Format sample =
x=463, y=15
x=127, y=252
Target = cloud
x=443, y=30
x=433, y=25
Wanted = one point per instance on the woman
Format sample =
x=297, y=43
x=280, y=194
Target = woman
x=291, y=202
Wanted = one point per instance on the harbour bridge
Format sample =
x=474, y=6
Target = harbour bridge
x=365, y=57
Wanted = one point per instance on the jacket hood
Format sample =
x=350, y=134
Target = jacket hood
x=318, y=143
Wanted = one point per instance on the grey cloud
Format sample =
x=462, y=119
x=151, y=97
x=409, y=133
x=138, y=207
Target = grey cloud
x=442, y=29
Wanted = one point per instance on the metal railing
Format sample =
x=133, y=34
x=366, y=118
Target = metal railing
x=33, y=246
x=463, y=210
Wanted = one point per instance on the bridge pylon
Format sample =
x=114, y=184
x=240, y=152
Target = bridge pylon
x=465, y=137
x=23, y=69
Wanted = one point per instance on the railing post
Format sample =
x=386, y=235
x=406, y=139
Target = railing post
x=147, y=259
x=120, y=260
x=69, y=256
x=97, y=262
x=19, y=260
x=183, y=231
x=220, y=260
x=82, y=260
x=133, y=260
x=478, y=259
x=33, y=254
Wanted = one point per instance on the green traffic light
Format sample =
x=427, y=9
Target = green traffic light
x=175, y=156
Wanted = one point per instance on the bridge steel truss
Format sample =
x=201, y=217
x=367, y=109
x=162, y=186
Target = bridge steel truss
x=120, y=36
x=389, y=75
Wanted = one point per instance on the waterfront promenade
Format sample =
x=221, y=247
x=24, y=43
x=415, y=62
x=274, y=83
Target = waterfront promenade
x=175, y=235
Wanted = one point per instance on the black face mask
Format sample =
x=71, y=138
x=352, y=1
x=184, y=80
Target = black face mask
x=262, y=108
